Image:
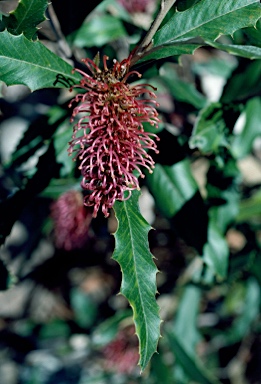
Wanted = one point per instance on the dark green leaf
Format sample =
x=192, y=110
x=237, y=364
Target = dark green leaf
x=138, y=274
x=254, y=34
x=209, y=131
x=26, y=17
x=61, y=138
x=216, y=252
x=250, y=209
x=105, y=332
x=242, y=324
x=243, y=142
x=32, y=64
x=181, y=90
x=99, y=31
x=167, y=50
x=248, y=51
x=172, y=186
x=244, y=82
x=182, y=5
x=190, y=365
x=11, y=208
x=209, y=19
x=186, y=319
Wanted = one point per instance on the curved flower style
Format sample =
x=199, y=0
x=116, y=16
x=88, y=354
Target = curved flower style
x=109, y=138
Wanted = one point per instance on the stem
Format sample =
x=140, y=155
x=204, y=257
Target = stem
x=146, y=43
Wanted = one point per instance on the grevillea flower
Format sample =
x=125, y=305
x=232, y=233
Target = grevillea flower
x=136, y=6
x=109, y=138
x=121, y=355
x=71, y=221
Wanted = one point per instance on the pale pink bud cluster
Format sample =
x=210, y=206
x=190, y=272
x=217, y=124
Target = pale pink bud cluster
x=71, y=221
x=109, y=139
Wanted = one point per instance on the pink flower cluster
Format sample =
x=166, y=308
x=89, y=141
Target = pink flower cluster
x=136, y=6
x=71, y=221
x=109, y=138
x=121, y=354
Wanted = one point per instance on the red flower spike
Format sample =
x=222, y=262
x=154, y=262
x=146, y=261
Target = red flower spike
x=109, y=138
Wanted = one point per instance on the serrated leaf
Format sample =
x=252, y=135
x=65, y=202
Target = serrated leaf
x=248, y=51
x=209, y=19
x=138, y=274
x=26, y=17
x=172, y=186
x=32, y=64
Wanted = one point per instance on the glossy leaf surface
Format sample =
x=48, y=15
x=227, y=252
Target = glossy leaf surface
x=32, y=64
x=138, y=274
x=26, y=17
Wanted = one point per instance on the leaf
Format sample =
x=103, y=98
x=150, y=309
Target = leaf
x=167, y=50
x=172, y=186
x=99, y=31
x=244, y=82
x=248, y=51
x=32, y=64
x=243, y=142
x=105, y=332
x=11, y=208
x=209, y=19
x=242, y=324
x=216, y=252
x=25, y=18
x=180, y=89
x=186, y=319
x=190, y=365
x=250, y=209
x=138, y=274
x=209, y=130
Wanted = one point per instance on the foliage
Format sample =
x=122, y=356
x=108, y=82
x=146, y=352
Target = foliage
x=214, y=213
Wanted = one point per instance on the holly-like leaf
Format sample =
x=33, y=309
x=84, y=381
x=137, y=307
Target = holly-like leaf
x=138, y=274
x=30, y=63
x=25, y=18
x=209, y=19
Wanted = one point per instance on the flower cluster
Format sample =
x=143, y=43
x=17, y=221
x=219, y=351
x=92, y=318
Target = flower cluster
x=71, y=221
x=121, y=354
x=109, y=138
x=136, y=6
